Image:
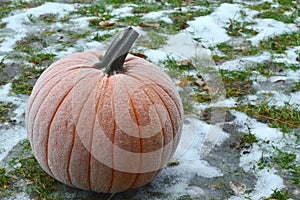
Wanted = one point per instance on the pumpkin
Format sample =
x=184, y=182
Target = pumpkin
x=105, y=122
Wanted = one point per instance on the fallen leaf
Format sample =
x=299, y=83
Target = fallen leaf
x=200, y=82
x=149, y=25
x=107, y=23
x=184, y=62
x=239, y=48
x=183, y=82
x=238, y=189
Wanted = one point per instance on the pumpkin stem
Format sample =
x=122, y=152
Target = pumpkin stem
x=116, y=53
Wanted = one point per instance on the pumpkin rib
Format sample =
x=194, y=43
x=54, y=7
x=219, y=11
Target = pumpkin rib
x=162, y=127
x=157, y=92
x=34, y=96
x=159, y=85
x=170, y=96
x=76, y=123
x=99, y=103
x=39, y=106
x=163, y=135
x=33, y=100
x=113, y=140
x=49, y=127
x=92, y=136
x=140, y=139
x=169, y=113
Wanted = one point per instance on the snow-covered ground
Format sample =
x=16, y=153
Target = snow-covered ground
x=196, y=132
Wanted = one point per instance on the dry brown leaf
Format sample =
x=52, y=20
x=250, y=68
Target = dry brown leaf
x=183, y=82
x=239, y=48
x=107, y=23
x=184, y=62
x=238, y=189
x=149, y=25
x=200, y=82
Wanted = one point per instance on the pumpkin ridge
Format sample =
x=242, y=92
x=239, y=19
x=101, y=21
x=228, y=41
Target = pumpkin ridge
x=76, y=123
x=37, y=92
x=53, y=116
x=159, y=85
x=140, y=139
x=170, y=96
x=30, y=106
x=99, y=103
x=157, y=92
x=38, y=89
x=163, y=133
x=162, y=127
x=49, y=127
x=92, y=135
x=178, y=111
x=113, y=138
x=168, y=111
x=43, y=98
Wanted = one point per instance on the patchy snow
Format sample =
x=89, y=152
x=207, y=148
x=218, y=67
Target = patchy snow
x=290, y=56
x=267, y=179
x=268, y=28
x=208, y=30
x=124, y=11
x=196, y=135
x=19, y=196
x=19, y=23
x=190, y=163
x=266, y=183
x=211, y=30
x=241, y=63
x=11, y=136
x=161, y=15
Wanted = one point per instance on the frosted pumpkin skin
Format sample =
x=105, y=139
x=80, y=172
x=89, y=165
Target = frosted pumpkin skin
x=103, y=133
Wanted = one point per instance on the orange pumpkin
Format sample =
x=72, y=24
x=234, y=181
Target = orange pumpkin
x=104, y=124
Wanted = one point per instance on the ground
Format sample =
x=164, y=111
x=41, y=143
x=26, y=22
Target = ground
x=235, y=64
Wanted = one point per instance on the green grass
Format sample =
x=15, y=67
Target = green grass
x=276, y=44
x=284, y=117
x=4, y=180
x=280, y=43
x=279, y=195
x=130, y=20
x=153, y=40
x=237, y=83
x=233, y=51
x=103, y=37
x=285, y=162
x=93, y=10
x=180, y=19
x=146, y=8
x=277, y=13
x=185, y=197
x=5, y=107
x=261, y=7
x=39, y=185
x=24, y=83
x=296, y=87
x=236, y=28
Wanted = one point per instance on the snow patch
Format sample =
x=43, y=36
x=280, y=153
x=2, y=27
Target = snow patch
x=268, y=28
x=190, y=164
x=10, y=137
x=241, y=63
x=211, y=30
x=18, y=23
x=161, y=15
x=124, y=11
